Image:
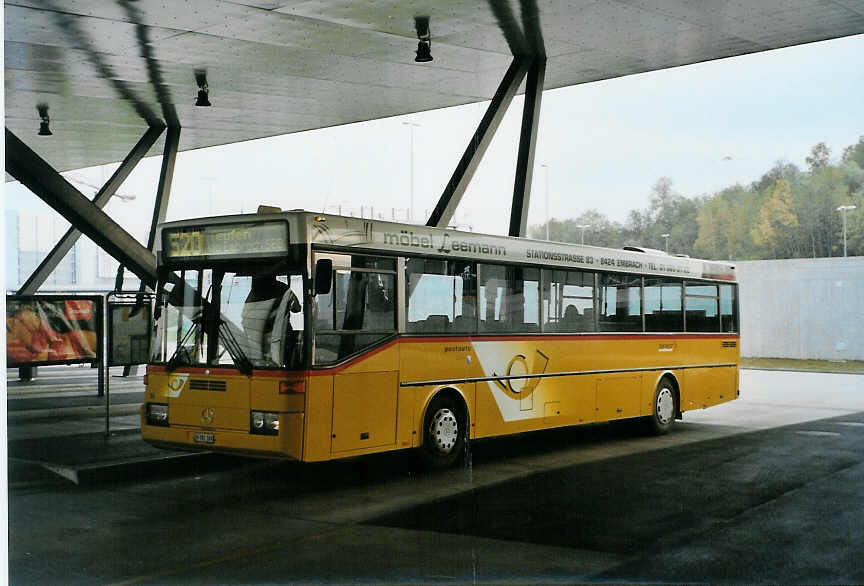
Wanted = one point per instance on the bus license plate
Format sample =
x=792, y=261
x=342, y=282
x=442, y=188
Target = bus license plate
x=204, y=438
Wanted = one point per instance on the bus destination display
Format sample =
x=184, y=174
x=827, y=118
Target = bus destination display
x=227, y=240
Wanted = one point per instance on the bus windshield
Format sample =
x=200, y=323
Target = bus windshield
x=237, y=319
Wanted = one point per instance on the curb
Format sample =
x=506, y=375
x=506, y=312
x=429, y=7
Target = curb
x=87, y=411
x=800, y=370
x=61, y=389
x=129, y=468
x=25, y=472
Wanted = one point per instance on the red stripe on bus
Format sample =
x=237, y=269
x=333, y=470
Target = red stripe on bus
x=547, y=336
x=355, y=360
x=155, y=368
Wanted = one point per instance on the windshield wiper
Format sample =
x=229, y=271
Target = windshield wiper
x=182, y=350
x=237, y=355
x=239, y=358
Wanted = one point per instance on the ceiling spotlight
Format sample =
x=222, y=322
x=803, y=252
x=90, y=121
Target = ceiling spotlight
x=203, y=90
x=43, y=126
x=424, y=47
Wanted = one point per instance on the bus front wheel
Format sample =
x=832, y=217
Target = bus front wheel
x=665, y=408
x=444, y=431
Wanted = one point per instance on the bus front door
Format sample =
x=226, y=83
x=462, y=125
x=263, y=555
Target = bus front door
x=364, y=410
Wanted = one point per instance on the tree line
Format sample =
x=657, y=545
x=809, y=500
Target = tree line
x=788, y=213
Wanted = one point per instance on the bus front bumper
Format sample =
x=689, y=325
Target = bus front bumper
x=287, y=444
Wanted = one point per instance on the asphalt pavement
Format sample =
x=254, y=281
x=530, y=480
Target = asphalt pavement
x=58, y=427
x=766, y=489
x=778, y=506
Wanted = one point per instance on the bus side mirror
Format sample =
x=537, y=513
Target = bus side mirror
x=323, y=276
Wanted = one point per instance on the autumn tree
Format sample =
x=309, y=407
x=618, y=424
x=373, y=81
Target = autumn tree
x=775, y=228
x=673, y=214
x=787, y=212
x=818, y=158
x=854, y=226
x=855, y=153
x=818, y=197
x=602, y=230
x=712, y=219
x=724, y=225
x=780, y=170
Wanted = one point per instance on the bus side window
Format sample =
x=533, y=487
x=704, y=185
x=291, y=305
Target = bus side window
x=568, y=304
x=359, y=311
x=621, y=304
x=663, y=305
x=526, y=300
x=509, y=301
x=440, y=296
x=701, y=311
x=494, y=298
x=728, y=308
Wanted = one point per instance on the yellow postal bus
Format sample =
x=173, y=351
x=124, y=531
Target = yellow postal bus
x=314, y=337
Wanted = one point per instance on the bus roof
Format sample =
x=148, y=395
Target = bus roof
x=334, y=232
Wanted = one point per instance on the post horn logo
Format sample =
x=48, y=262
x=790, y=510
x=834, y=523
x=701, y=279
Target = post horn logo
x=176, y=383
x=207, y=415
x=517, y=386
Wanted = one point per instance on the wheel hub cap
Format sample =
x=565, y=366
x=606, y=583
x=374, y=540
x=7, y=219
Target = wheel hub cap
x=665, y=405
x=444, y=430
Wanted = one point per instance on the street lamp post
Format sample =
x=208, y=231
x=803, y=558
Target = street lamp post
x=666, y=238
x=546, y=167
x=843, y=210
x=583, y=227
x=411, y=126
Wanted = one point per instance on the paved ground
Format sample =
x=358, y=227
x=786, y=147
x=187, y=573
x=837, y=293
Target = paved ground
x=776, y=506
x=766, y=489
x=57, y=424
x=78, y=377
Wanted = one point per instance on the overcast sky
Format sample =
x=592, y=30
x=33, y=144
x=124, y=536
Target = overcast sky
x=705, y=126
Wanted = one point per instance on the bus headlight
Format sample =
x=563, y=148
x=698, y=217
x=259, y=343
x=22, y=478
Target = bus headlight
x=157, y=414
x=264, y=423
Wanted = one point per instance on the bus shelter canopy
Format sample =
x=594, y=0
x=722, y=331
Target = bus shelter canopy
x=106, y=70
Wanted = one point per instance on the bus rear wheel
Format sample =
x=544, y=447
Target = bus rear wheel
x=444, y=431
x=665, y=408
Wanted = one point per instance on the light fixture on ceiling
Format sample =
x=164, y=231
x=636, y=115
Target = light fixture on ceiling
x=203, y=89
x=424, y=47
x=43, y=126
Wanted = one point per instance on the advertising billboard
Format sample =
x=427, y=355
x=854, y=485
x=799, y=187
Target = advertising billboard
x=52, y=329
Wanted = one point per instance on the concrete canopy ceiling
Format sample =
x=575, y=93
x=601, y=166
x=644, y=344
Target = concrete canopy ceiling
x=106, y=69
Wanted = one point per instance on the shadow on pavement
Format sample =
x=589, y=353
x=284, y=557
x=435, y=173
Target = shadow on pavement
x=782, y=505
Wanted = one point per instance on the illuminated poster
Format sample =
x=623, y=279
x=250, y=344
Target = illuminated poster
x=129, y=327
x=51, y=330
